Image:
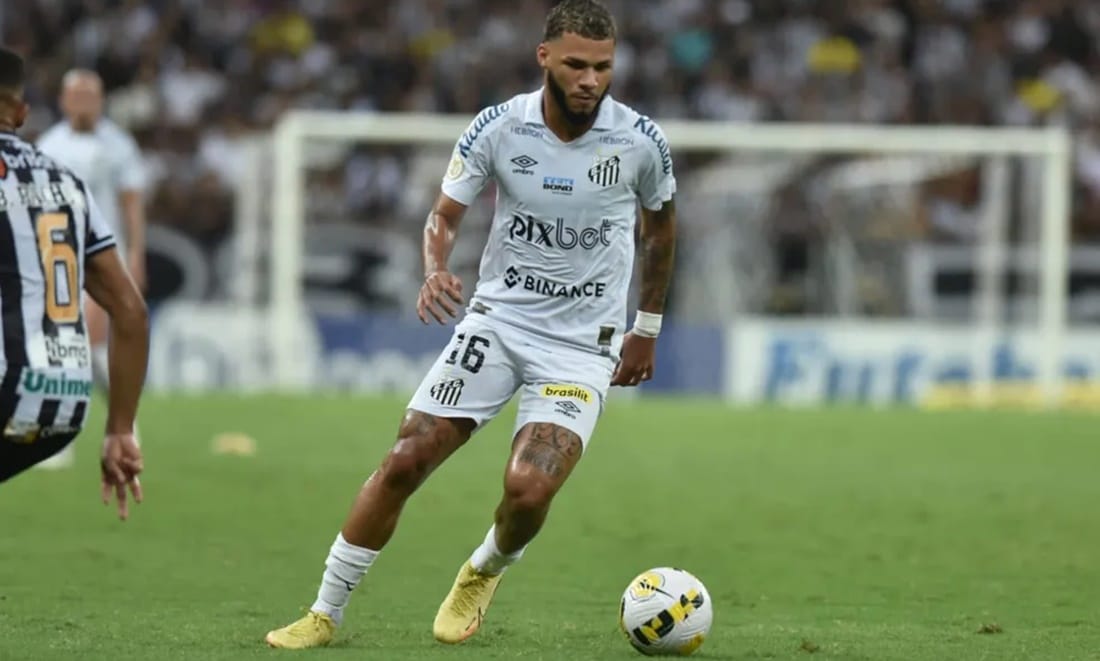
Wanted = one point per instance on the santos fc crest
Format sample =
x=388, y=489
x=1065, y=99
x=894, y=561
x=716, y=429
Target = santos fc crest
x=605, y=172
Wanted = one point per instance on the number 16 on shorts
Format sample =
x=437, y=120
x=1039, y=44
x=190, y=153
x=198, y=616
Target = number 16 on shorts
x=472, y=378
x=468, y=355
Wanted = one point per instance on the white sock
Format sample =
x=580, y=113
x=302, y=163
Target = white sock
x=344, y=568
x=487, y=558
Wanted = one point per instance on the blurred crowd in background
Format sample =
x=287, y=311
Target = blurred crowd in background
x=190, y=78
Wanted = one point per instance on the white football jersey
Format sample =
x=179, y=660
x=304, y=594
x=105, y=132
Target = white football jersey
x=560, y=253
x=107, y=159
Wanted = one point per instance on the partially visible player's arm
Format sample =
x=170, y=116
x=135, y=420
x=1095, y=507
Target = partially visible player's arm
x=441, y=289
x=440, y=232
x=658, y=255
x=658, y=236
x=470, y=168
x=132, y=203
x=109, y=283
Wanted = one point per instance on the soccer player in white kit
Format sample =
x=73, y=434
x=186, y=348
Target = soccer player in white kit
x=107, y=157
x=546, y=319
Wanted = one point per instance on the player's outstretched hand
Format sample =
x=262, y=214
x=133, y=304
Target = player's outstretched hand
x=636, y=361
x=121, y=463
x=441, y=293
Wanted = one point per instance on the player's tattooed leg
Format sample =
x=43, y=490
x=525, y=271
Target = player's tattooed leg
x=543, y=456
x=550, y=448
x=423, y=443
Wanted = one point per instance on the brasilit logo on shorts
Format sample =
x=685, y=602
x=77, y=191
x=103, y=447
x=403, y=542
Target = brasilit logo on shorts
x=563, y=391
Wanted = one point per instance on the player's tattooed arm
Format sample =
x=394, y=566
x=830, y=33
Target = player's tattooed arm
x=552, y=449
x=658, y=255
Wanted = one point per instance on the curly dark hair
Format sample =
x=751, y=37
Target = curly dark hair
x=587, y=18
x=12, y=74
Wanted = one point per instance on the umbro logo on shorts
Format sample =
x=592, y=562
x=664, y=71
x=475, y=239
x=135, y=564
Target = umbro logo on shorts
x=567, y=408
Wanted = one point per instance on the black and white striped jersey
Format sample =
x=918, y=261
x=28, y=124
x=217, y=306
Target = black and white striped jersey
x=49, y=225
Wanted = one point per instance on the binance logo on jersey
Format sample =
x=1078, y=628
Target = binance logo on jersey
x=558, y=235
x=590, y=289
x=563, y=391
x=511, y=277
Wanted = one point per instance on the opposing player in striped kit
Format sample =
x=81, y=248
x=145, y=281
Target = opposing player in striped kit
x=54, y=243
x=547, y=320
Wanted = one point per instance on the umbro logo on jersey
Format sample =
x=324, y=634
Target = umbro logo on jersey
x=605, y=173
x=524, y=164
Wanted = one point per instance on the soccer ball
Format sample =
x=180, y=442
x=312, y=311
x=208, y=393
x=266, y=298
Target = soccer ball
x=666, y=611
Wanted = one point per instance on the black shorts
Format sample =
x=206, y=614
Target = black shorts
x=16, y=455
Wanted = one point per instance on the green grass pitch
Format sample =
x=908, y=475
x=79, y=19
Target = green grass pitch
x=832, y=534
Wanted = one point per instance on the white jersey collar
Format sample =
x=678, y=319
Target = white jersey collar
x=532, y=114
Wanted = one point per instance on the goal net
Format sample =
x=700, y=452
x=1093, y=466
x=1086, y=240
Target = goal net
x=852, y=263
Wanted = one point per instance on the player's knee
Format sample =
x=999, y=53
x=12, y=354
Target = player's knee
x=407, y=464
x=529, y=490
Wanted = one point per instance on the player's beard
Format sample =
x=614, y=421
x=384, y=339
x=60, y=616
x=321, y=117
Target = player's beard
x=557, y=92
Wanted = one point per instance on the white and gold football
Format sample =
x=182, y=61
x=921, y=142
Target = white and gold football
x=666, y=612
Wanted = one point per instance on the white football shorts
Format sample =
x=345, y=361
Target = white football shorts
x=486, y=362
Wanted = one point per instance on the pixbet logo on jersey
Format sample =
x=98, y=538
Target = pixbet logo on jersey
x=513, y=277
x=558, y=235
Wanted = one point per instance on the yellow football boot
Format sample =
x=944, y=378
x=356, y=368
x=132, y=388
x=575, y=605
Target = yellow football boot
x=460, y=614
x=313, y=630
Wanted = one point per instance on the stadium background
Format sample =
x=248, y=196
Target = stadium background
x=196, y=81
x=829, y=533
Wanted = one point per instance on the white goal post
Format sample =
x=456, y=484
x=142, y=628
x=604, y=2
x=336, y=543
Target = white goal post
x=1050, y=146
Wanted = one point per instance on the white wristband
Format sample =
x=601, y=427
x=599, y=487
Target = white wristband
x=647, y=324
